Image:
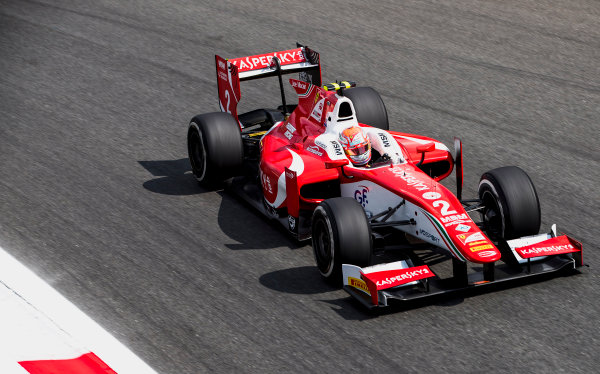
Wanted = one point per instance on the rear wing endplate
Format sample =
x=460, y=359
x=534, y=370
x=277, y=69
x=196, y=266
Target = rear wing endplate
x=230, y=73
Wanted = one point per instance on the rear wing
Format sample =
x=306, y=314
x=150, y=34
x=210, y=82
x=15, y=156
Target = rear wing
x=230, y=73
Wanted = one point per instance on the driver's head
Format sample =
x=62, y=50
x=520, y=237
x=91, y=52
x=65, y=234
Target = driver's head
x=356, y=144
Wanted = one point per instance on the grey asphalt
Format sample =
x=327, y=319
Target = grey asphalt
x=96, y=194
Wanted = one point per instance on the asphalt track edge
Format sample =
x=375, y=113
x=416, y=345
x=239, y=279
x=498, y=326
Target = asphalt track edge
x=50, y=307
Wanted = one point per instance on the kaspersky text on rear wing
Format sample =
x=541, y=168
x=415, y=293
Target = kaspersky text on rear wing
x=230, y=72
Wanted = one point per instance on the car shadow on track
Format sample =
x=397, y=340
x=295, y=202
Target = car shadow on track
x=304, y=280
x=250, y=229
x=351, y=309
x=236, y=218
x=174, y=177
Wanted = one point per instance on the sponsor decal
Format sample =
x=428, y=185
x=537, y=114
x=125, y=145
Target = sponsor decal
x=360, y=195
x=314, y=149
x=264, y=61
x=299, y=84
x=222, y=65
x=393, y=278
x=463, y=228
x=456, y=217
x=290, y=130
x=481, y=247
x=432, y=195
x=487, y=254
x=410, y=179
x=222, y=76
x=478, y=242
x=292, y=223
x=429, y=235
x=457, y=222
x=543, y=251
x=468, y=238
x=358, y=283
x=289, y=174
x=552, y=246
x=266, y=182
x=384, y=139
x=317, y=96
x=337, y=148
x=321, y=144
x=318, y=110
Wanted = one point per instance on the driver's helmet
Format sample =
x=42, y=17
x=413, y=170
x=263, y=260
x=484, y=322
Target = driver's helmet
x=356, y=144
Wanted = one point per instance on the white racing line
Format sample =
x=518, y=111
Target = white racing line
x=41, y=332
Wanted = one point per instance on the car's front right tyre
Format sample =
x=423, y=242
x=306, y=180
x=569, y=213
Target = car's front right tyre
x=511, y=208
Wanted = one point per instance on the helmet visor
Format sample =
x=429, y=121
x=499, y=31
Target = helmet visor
x=358, y=150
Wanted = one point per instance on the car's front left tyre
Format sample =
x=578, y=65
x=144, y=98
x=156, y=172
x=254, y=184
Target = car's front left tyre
x=340, y=235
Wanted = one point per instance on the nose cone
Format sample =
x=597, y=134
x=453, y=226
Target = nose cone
x=473, y=244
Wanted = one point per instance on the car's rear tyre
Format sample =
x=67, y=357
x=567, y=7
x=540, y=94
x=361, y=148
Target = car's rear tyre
x=340, y=235
x=369, y=107
x=215, y=148
x=511, y=204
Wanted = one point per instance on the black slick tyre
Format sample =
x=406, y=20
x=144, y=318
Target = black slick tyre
x=340, y=235
x=511, y=204
x=215, y=148
x=369, y=107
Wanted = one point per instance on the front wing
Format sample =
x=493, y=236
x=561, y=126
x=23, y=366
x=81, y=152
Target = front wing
x=524, y=258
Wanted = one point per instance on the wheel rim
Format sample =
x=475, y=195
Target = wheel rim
x=322, y=247
x=492, y=215
x=197, y=155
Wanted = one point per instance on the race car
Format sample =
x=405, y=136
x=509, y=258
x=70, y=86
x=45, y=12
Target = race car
x=378, y=224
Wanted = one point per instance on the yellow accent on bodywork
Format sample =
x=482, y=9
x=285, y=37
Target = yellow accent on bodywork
x=259, y=133
x=358, y=283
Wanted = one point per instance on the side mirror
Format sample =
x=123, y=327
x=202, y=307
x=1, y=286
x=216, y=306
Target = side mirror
x=332, y=164
x=427, y=147
x=422, y=149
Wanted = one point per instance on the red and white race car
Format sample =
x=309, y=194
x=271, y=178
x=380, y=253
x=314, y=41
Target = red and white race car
x=289, y=164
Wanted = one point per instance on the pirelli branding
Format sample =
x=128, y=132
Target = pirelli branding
x=481, y=247
x=358, y=283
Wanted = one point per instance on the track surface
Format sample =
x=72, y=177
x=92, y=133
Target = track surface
x=96, y=194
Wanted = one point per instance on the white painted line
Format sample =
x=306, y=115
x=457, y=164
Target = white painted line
x=38, y=323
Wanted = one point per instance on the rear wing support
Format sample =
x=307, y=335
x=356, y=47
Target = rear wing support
x=278, y=68
x=230, y=73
